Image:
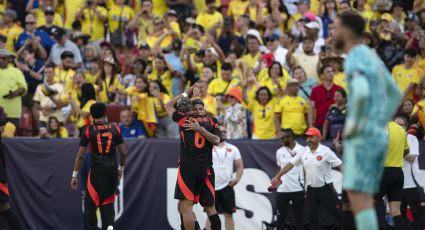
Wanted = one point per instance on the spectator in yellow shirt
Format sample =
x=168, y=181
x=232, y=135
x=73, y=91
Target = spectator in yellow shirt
x=54, y=129
x=12, y=88
x=220, y=86
x=10, y=29
x=237, y=8
x=210, y=102
x=291, y=111
x=275, y=79
x=162, y=72
x=82, y=111
x=64, y=73
x=253, y=42
x=143, y=21
x=210, y=19
x=407, y=75
x=262, y=108
x=108, y=82
x=92, y=18
x=118, y=17
x=165, y=127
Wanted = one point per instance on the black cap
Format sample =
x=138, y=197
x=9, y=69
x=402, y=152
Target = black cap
x=177, y=44
x=98, y=110
x=67, y=54
x=58, y=33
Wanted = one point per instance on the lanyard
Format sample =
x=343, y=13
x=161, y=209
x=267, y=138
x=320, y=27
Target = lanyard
x=60, y=76
x=216, y=153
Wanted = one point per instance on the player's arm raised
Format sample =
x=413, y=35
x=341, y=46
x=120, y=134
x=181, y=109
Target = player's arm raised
x=170, y=106
x=77, y=166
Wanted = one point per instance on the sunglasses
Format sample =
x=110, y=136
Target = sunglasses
x=49, y=13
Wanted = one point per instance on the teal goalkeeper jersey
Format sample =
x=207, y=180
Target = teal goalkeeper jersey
x=374, y=95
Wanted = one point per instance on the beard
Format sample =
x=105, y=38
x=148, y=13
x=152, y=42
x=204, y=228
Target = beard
x=339, y=44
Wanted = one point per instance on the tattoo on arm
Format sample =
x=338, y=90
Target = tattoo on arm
x=213, y=139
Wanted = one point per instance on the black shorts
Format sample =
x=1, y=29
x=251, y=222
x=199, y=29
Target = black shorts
x=102, y=185
x=225, y=200
x=195, y=184
x=391, y=184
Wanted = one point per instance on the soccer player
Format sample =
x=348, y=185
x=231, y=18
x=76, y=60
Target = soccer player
x=373, y=99
x=5, y=210
x=195, y=180
x=102, y=182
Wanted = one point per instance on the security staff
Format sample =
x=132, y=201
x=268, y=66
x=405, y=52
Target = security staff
x=318, y=161
x=393, y=179
x=293, y=187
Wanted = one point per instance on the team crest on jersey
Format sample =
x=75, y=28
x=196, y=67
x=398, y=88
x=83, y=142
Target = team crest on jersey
x=319, y=158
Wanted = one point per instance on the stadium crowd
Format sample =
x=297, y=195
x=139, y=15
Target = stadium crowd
x=259, y=65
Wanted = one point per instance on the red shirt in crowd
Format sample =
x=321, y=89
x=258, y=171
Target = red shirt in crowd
x=323, y=99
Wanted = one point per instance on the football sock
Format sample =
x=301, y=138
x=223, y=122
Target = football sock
x=399, y=222
x=367, y=220
x=215, y=222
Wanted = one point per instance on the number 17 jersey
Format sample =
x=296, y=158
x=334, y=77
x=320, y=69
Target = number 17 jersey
x=195, y=148
x=103, y=139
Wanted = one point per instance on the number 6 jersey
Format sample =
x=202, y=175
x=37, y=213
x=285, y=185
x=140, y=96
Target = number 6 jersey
x=195, y=148
x=103, y=138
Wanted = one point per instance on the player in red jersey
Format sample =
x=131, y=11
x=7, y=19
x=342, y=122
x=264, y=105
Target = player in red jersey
x=195, y=180
x=5, y=210
x=103, y=138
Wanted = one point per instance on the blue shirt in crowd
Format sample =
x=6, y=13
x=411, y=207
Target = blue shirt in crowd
x=46, y=41
x=134, y=130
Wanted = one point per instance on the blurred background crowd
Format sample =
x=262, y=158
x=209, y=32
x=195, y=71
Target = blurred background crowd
x=259, y=65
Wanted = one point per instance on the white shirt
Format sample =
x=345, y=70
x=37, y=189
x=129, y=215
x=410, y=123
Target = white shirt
x=56, y=51
x=407, y=166
x=223, y=162
x=318, y=165
x=293, y=181
x=280, y=56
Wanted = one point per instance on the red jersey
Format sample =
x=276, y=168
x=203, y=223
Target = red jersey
x=324, y=99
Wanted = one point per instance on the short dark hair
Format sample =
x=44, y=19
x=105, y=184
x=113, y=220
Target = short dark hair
x=50, y=65
x=257, y=93
x=66, y=54
x=198, y=102
x=290, y=131
x=342, y=92
x=411, y=52
x=227, y=66
x=354, y=22
x=98, y=110
x=322, y=69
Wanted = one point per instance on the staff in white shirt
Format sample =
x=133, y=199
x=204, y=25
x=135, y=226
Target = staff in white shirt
x=293, y=187
x=226, y=160
x=410, y=194
x=318, y=161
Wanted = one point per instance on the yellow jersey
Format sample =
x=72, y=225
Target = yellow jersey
x=237, y=8
x=341, y=80
x=152, y=39
x=293, y=112
x=252, y=11
x=219, y=86
x=92, y=25
x=209, y=20
x=9, y=130
x=161, y=112
x=165, y=79
x=396, y=146
x=71, y=9
x=41, y=18
x=251, y=60
x=263, y=115
x=65, y=77
x=210, y=104
x=81, y=122
x=159, y=7
x=109, y=87
x=404, y=77
x=117, y=14
x=12, y=35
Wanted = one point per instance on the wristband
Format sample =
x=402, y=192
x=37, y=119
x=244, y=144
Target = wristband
x=74, y=174
x=185, y=94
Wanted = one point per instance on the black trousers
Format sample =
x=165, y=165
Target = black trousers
x=282, y=201
x=410, y=197
x=327, y=197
